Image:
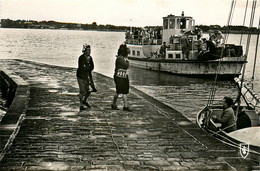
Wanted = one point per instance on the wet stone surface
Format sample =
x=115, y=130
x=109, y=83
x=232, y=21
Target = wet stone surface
x=56, y=136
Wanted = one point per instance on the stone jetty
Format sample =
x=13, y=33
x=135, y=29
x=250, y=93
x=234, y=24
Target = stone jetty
x=50, y=133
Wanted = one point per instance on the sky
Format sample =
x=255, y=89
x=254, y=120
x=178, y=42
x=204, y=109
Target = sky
x=125, y=12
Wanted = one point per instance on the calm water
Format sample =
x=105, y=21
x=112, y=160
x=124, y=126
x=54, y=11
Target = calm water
x=63, y=47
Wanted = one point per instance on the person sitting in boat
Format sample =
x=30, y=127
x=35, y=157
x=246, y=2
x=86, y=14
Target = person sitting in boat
x=185, y=46
x=202, y=45
x=216, y=37
x=202, y=48
x=227, y=118
x=210, y=53
x=163, y=50
x=198, y=32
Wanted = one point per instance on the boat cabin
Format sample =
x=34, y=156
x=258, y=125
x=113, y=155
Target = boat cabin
x=176, y=26
x=178, y=39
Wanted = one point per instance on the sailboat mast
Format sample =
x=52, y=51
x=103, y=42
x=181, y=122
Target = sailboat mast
x=246, y=55
x=256, y=49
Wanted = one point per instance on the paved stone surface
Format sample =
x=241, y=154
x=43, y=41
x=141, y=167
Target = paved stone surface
x=56, y=136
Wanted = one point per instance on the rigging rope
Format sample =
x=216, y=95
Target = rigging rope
x=231, y=18
x=244, y=22
x=246, y=55
x=256, y=49
x=249, y=37
x=213, y=89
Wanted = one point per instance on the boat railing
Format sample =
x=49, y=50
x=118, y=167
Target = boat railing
x=144, y=41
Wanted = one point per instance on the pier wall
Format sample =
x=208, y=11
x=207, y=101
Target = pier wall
x=16, y=92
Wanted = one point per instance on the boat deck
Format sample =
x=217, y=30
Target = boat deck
x=245, y=135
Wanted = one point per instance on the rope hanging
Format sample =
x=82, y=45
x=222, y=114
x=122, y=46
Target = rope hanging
x=244, y=21
x=213, y=89
x=246, y=55
x=249, y=37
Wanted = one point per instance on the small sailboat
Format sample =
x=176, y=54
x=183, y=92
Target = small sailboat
x=246, y=137
x=247, y=124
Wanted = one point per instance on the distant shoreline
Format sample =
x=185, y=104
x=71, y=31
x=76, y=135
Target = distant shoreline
x=30, y=24
x=62, y=29
x=107, y=30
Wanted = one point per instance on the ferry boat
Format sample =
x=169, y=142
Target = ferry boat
x=178, y=48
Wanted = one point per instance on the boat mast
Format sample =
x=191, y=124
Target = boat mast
x=246, y=54
x=256, y=49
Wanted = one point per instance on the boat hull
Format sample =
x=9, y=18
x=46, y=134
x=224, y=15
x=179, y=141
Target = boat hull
x=228, y=68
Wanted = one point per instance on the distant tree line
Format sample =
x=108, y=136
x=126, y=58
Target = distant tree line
x=7, y=23
x=229, y=29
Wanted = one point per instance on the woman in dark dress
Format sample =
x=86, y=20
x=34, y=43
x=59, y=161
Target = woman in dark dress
x=121, y=77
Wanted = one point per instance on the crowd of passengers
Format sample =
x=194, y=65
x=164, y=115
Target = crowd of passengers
x=206, y=48
x=143, y=35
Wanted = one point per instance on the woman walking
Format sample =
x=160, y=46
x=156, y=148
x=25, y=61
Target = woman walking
x=84, y=77
x=121, y=77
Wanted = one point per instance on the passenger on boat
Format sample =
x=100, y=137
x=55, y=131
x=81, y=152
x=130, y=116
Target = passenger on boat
x=198, y=32
x=159, y=36
x=136, y=34
x=202, y=46
x=127, y=34
x=227, y=118
x=185, y=47
x=163, y=50
x=210, y=53
x=216, y=37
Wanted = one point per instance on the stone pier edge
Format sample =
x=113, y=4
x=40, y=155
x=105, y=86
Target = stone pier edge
x=11, y=121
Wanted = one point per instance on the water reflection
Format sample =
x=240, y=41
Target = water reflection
x=139, y=76
x=186, y=94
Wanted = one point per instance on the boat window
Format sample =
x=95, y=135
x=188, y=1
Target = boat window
x=178, y=56
x=170, y=55
x=183, y=23
x=138, y=53
x=133, y=52
x=165, y=23
x=187, y=24
x=172, y=23
x=178, y=24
